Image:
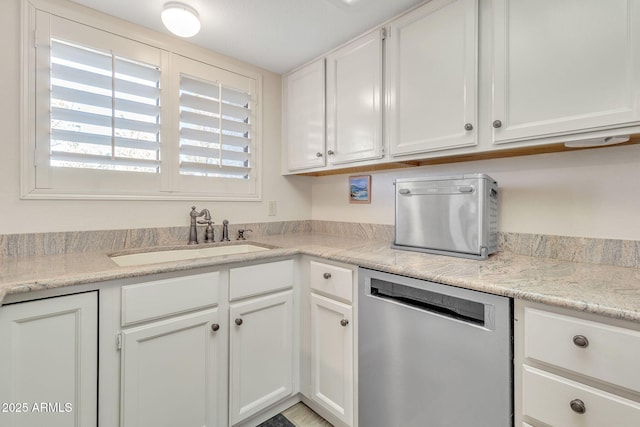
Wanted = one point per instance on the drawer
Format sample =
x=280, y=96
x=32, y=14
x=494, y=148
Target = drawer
x=260, y=279
x=332, y=280
x=611, y=354
x=160, y=298
x=547, y=398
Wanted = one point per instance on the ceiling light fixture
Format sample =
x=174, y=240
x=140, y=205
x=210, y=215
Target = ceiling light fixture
x=181, y=19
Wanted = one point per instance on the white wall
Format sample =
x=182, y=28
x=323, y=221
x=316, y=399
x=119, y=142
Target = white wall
x=589, y=193
x=24, y=216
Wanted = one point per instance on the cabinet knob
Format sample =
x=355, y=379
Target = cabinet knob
x=327, y=276
x=238, y=321
x=318, y=154
x=344, y=322
x=331, y=152
x=468, y=126
x=497, y=124
x=577, y=406
x=215, y=327
x=581, y=341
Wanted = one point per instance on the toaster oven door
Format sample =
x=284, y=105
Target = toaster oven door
x=439, y=215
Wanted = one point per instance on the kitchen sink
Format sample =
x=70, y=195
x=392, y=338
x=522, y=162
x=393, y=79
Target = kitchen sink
x=156, y=256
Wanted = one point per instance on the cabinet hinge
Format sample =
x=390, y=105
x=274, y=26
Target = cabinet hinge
x=119, y=341
x=383, y=33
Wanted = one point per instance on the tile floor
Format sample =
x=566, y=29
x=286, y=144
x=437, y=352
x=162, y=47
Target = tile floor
x=302, y=416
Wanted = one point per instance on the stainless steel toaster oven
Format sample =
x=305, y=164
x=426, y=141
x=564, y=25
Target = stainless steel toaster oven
x=447, y=215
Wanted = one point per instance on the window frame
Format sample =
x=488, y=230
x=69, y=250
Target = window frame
x=91, y=184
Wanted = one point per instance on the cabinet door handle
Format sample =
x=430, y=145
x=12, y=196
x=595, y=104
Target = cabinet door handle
x=344, y=322
x=331, y=152
x=327, y=276
x=497, y=124
x=215, y=327
x=581, y=341
x=238, y=321
x=578, y=406
x=318, y=154
x=468, y=126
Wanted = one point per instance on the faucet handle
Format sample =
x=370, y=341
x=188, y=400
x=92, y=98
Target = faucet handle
x=241, y=232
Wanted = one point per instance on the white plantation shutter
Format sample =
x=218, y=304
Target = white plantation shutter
x=110, y=117
x=105, y=111
x=215, y=130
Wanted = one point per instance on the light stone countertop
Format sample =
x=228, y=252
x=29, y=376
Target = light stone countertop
x=600, y=289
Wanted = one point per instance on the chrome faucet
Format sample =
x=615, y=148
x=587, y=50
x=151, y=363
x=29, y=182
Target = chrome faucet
x=193, y=230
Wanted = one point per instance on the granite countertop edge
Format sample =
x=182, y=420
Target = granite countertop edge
x=610, y=291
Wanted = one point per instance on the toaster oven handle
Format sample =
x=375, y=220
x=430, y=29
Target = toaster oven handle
x=461, y=189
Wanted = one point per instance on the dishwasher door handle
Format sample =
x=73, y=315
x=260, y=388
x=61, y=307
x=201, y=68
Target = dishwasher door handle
x=446, y=305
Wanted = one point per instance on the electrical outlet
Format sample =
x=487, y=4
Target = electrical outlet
x=272, y=207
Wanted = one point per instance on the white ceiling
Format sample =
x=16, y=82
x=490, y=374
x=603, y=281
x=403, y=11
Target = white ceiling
x=278, y=35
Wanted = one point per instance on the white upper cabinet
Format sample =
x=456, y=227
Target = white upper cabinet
x=564, y=67
x=304, y=124
x=431, y=78
x=354, y=93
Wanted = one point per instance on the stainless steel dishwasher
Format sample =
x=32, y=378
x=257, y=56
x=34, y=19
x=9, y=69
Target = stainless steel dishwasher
x=432, y=355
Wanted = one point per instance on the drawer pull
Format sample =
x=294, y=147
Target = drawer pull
x=327, y=276
x=344, y=322
x=581, y=341
x=215, y=327
x=238, y=321
x=577, y=406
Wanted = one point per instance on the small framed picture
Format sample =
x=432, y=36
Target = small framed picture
x=360, y=189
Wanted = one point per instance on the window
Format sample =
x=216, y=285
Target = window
x=105, y=111
x=111, y=117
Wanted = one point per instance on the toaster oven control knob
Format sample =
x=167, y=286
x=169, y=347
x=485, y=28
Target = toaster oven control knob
x=497, y=124
x=468, y=126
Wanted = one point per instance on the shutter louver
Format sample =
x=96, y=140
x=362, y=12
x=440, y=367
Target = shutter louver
x=105, y=111
x=215, y=130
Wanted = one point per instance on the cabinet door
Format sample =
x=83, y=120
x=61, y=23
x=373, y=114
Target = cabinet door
x=562, y=67
x=431, y=80
x=332, y=356
x=170, y=372
x=49, y=362
x=304, y=125
x=261, y=353
x=354, y=90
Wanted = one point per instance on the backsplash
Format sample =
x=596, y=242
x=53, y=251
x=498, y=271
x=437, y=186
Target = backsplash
x=624, y=253
x=19, y=245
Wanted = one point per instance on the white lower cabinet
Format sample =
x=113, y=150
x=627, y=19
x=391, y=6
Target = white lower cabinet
x=330, y=343
x=49, y=362
x=575, y=369
x=173, y=346
x=170, y=372
x=332, y=356
x=261, y=344
x=261, y=353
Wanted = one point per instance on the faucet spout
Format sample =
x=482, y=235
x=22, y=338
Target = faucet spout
x=193, y=230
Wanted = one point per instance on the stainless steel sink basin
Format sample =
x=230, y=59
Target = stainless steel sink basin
x=153, y=257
